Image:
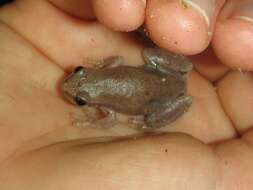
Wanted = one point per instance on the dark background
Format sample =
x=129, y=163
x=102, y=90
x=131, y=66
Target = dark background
x=2, y=2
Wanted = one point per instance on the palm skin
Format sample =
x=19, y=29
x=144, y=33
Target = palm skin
x=42, y=148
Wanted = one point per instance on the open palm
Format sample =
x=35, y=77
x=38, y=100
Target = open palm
x=42, y=148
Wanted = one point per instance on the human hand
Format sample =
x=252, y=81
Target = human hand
x=40, y=146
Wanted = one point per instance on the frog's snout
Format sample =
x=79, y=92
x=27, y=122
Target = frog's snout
x=67, y=94
x=72, y=93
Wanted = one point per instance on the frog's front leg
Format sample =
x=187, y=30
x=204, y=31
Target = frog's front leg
x=110, y=62
x=160, y=113
x=166, y=62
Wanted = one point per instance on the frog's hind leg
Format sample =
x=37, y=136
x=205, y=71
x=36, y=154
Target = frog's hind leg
x=166, y=62
x=160, y=113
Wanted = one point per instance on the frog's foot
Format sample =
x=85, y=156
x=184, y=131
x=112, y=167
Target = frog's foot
x=96, y=118
x=166, y=62
x=163, y=112
x=136, y=122
x=110, y=62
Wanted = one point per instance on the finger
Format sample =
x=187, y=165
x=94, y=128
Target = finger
x=167, y=162
x=33, y=111
x=236, y=95
x=121, y=15
x=65, y=40
x=182, y=26
x=235, y=166
x=208, y=65
x=81, y=41
x=78, y=8
x=31, y=104
x=233, y=39
x=205, y=114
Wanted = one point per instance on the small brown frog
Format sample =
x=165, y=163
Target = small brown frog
x=156, y=90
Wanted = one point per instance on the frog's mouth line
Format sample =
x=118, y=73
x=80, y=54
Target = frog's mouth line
x=69, y=97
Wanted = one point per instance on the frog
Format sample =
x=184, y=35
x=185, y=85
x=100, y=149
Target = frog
x=157, y=90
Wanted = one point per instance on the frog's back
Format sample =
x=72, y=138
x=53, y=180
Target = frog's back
x=128, y=89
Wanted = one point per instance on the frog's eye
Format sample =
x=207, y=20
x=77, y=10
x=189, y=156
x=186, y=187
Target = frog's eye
x=78, y=69
x=80, y=101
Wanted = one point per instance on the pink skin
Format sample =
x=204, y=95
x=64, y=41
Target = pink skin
x=235, y=26
x=41, y=147
x=130, y=13
x=179, y=27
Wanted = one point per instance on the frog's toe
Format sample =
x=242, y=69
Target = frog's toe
x=160, y=60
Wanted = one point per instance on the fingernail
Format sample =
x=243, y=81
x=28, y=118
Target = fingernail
x=243, y=10
x=205, y=8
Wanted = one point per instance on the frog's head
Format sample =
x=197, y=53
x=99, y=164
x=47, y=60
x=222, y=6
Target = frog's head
x=72, y=87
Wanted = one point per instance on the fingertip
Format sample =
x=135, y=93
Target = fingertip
x=235, y=91
x=121, y=15
x=177, y=28
x=208, y=65
x=233, y=43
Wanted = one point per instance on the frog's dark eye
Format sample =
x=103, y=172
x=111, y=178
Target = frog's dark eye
x=80, y=101
x=77, y=69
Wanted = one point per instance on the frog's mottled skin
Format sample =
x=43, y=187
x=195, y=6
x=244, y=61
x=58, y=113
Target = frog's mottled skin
x=157, y=90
